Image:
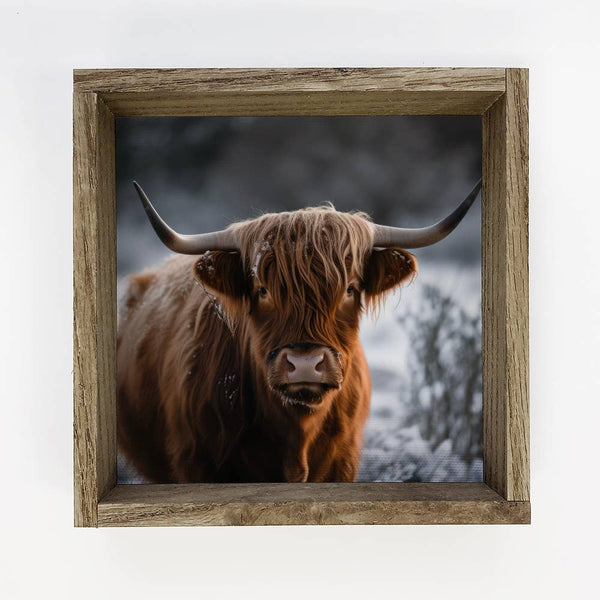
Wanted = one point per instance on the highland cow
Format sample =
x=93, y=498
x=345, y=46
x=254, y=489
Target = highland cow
x=242, y=362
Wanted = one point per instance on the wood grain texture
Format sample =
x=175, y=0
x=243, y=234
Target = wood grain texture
x=307, y=504
x=289, y=80
x=344, y=91
x=505, y=291
x=94, y=297
x=517, y=282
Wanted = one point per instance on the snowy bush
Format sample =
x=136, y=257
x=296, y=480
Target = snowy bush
x=439, y=435
x=445, y=367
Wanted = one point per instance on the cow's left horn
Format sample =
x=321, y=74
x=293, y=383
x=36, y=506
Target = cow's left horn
x=185, y=244
x=385, y=237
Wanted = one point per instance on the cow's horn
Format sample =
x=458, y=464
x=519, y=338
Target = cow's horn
x=185, y=244
x=385, y=237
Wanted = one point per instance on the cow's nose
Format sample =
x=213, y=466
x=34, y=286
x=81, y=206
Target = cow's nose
x=305, y=367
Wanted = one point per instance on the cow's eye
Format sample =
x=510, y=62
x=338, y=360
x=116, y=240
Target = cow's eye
x=350, y=290
x=262, y=291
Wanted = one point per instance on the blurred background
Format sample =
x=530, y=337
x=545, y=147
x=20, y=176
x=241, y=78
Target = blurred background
x=424, y=350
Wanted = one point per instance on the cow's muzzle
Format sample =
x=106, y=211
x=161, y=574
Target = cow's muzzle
x=303, y=373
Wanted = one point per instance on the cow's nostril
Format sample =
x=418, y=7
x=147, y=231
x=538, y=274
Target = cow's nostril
x=290, y=365
x=319, y=366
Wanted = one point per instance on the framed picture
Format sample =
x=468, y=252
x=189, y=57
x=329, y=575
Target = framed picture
x=240, y=381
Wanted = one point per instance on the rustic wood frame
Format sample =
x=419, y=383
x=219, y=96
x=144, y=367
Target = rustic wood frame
x=499, y=95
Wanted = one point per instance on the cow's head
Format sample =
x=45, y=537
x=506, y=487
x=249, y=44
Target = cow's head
x=298, y=282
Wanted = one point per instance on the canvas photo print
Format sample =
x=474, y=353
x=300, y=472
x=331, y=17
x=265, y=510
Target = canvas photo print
x=299, y=299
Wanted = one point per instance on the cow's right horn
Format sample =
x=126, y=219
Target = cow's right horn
x=185, y=244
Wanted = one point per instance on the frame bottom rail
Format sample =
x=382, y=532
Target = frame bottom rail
x=308, y=504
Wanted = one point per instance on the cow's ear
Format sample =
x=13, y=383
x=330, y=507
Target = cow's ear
x=222, y=272
x=387, y=268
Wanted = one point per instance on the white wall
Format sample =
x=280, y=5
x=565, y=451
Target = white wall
x=40, y=551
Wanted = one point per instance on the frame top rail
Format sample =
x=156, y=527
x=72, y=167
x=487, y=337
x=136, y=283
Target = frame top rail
x=289, y=80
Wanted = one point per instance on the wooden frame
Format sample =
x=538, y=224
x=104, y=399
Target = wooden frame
x=499, y=95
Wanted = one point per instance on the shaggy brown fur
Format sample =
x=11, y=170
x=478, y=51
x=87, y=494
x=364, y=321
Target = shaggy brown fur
x=197, y=334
